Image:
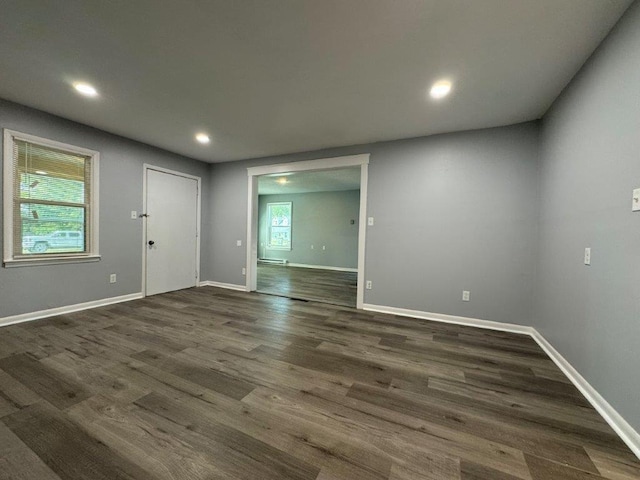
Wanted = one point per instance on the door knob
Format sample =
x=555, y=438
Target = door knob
x=151, y=243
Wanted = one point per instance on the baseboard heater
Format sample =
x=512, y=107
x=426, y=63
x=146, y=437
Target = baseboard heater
x=273, y=261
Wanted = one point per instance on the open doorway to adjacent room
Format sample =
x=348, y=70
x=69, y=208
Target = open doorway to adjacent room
x=307, y=230
x=308, y=235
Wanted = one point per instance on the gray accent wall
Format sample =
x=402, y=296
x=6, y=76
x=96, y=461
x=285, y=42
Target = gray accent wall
x=319, y=219
x=452, y=212
x=35, y=288
x=590, y=151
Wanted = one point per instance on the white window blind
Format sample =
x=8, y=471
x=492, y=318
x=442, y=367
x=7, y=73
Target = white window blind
x=53, y=203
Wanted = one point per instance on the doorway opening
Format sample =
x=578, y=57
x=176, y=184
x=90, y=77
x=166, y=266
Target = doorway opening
x=306, y=229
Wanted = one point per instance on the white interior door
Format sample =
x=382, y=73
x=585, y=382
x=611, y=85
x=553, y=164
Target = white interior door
x=171, y=232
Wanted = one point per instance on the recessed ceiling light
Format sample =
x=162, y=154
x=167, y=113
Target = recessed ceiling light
x=282, y=181
x=203, y=138
x=440, y=89
x=85, y=89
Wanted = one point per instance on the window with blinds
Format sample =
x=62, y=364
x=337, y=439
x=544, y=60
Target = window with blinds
x=50, y=193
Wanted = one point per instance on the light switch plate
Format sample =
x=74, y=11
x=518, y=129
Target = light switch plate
x=134, y=215
x=635, y=205
x=587, y=256
x=370, y=221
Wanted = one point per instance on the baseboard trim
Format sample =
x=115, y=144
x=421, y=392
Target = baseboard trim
x=323, y=267
x=624, y=430
x=441, y=317
x=228, y=286
x=50, y=312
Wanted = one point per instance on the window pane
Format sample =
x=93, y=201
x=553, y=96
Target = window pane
x=280, y=214
x=41, y=187
x=279, y=222
x=48, y=174
x=280, y=237
x=50, y=229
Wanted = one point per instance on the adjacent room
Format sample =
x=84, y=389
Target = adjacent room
x=308, y=235
x=323, y=240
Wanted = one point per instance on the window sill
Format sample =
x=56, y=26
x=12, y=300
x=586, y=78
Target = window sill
x=36, y=262
x=286, y=249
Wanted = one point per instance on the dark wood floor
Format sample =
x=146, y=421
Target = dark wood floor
x=214, y=384
x=327, y=286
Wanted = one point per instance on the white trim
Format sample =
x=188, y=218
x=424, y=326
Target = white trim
x=27, y=317
x=57, y=260
x=229, y=286
x=7, y=200
x=93, y=253
x=323, y=267
x=361, y=160
x=624, y=430
x=362, y=232
x=441, y=317
x=318, y=164
x=251, y=267
x=145, y=168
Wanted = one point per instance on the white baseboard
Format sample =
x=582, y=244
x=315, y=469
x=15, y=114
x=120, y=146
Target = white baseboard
x=624, y=430
x=440, y=317
x=324, y=267
x=27, y=317
x=229, y=286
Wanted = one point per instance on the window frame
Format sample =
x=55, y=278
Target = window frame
x=269, y=226
x=92, y=254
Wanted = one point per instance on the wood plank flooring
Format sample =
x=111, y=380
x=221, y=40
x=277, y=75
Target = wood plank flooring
x=215, y=384
x=318, y=285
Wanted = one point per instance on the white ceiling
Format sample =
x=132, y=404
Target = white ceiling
x=310, y=181
x=266, y=77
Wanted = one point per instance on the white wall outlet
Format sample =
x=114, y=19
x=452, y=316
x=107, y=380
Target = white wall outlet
x=635, y=205
x=134, y=215
x=324, y=247
x=370, y=221
x=466, y=295
x=311, y=247
x=244, y=271
x=587, y=256
x=112, y=278
x=369, y=285
x=238, y=243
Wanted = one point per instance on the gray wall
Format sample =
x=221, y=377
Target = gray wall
x=452, y=212
x=29, y=289
x=319, y=218
x=590, y=153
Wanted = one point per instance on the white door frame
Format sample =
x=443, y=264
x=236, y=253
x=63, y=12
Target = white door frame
x=253, y=173
x=146, y=168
